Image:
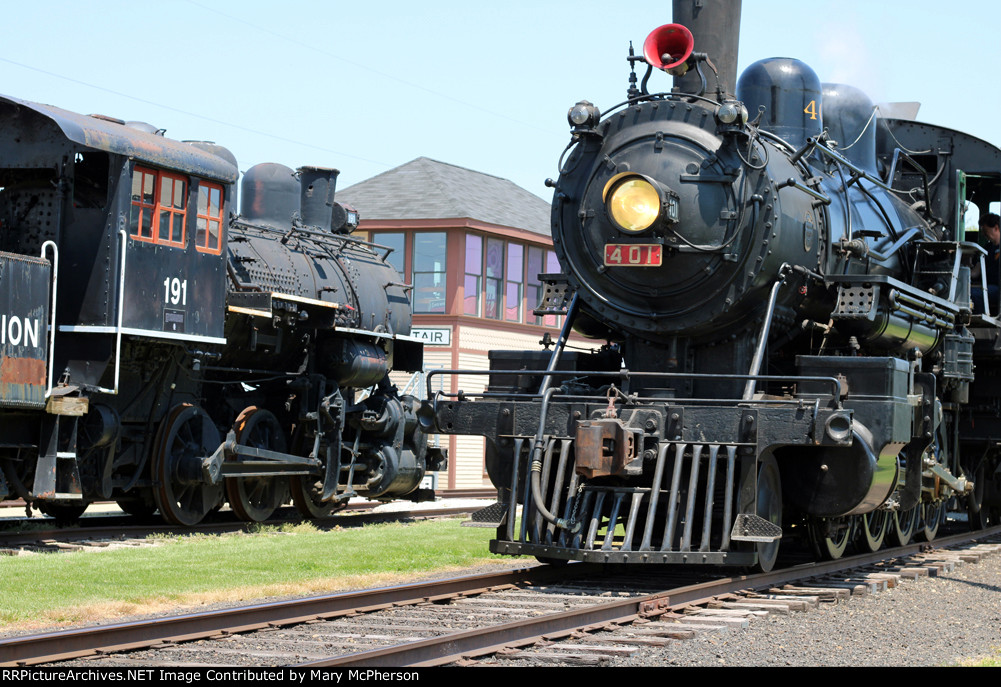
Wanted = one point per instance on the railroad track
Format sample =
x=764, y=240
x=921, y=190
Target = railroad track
x=467, y=618
x=37, y=535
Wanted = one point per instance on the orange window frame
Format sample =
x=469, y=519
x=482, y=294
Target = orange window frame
x=205, y=240
x=151, y=215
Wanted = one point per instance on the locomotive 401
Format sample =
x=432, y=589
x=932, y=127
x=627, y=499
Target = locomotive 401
x=783, y=284
x=160, y=350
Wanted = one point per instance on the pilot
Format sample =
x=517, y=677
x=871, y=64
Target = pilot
x=990, y=228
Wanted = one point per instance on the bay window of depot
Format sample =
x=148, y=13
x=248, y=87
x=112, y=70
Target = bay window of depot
x=501, y=280
x=430, y=250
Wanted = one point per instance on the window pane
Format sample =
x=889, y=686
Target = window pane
x=512, y=305
x=474, y=254
x=203, y=200
x=534, y=268
x=515, y=251
x=491, y=306
x=178, y=233
x=396, y=242
x=429, y=292
x=429, y=252
x=164, y=226
x=214, y=234
x=179, y=194
x=533, y=293
x=495, y=258
x=471, y=296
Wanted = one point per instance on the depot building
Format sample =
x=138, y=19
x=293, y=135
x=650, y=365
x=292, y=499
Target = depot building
x=472, y=246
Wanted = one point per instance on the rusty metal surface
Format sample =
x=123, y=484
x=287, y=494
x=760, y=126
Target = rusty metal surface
x=114, y=137
x=604, y=447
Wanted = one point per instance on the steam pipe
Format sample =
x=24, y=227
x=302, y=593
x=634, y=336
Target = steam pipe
x=536, y=471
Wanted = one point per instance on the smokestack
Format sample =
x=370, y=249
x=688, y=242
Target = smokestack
x=316, y=202
x=715, y=24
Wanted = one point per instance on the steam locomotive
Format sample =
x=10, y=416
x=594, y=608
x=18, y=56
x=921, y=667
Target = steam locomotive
x=782, y=282
x=163, y=351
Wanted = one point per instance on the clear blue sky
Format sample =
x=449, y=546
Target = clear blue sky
x=367, y=86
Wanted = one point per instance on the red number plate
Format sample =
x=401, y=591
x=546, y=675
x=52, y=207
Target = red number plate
x=638, y=254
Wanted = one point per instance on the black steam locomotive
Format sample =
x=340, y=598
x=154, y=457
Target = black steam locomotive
x=783, y=283
x=163, y=351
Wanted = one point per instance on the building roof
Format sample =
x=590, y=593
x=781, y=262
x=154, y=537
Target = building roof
x=428, y=189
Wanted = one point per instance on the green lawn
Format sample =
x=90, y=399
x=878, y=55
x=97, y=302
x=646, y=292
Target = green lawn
x=195, y=570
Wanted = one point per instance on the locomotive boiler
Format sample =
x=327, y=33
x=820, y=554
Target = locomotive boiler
x=164, y=351
x=782, y=282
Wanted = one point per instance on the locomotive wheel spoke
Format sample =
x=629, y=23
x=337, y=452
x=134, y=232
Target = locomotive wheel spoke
x=873, y=529
x=187, y=435
x=255, y=499
x=830, y=536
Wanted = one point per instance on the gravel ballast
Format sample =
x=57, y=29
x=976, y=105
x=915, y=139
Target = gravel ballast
x=929, y=621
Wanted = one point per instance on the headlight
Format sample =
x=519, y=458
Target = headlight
x=583, y=115
x=632, y=202
x=727, y=113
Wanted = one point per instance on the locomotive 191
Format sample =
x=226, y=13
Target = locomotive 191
x=163, y=351
x=783, y=284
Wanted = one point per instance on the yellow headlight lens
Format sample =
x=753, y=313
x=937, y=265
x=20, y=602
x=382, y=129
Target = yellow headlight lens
x=634, y=204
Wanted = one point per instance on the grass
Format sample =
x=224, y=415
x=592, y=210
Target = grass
x=989, y=662
x=192, y=570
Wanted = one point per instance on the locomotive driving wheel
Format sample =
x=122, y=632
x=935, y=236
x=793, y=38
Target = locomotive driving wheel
x=976, y=513
x=932, y=515
x=902, y=526
x=255, y=499
x=830, y=536
x=306, y=494
x=873, y=527
x=769, y=507
x=139, y=502
x=186, y=436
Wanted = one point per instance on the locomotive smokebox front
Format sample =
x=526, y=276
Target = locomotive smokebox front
x=668, y=222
